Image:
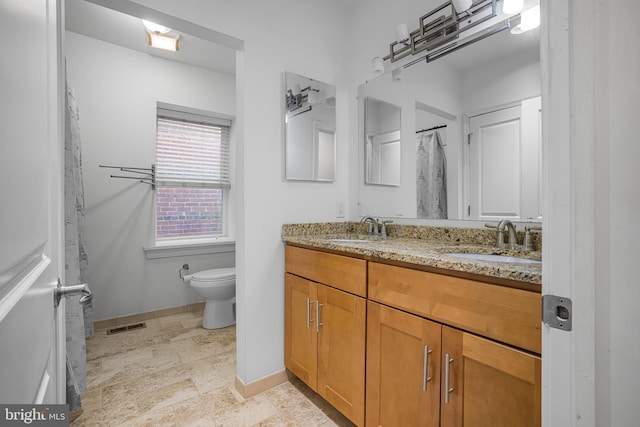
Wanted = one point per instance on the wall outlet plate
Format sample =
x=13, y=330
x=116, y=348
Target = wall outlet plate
x=340, y=209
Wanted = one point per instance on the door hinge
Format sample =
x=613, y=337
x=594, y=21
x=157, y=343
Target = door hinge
x=556, y=312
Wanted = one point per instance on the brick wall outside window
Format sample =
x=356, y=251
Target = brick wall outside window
x=188, y=212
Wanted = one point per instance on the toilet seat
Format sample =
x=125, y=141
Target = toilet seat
x=214, y=275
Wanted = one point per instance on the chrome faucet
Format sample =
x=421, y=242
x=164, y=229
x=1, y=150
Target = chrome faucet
x=513, y=237
x=373, y=225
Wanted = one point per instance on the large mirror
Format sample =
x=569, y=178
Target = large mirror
x=469, y=134
x=310, y=126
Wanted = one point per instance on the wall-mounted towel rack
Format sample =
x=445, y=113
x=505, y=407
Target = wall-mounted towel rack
x=433, y=128
x=144, y=175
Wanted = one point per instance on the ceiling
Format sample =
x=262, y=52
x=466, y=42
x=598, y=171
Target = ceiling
x=92, y=20
x=105, y=24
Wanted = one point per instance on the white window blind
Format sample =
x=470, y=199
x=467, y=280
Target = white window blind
x=192, y=150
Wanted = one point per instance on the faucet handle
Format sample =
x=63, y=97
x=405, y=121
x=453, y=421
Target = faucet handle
x=491, y=225
x=528, y=239
x=383, y=227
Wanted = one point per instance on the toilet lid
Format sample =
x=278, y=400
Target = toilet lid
x=215, y=274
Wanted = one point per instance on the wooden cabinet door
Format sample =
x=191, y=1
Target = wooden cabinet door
x=341, y=351
x=490, y=384
x=403, y=368
x=300, y=337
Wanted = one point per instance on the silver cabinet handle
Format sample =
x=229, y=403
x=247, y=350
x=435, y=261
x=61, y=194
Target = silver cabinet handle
x=67, y=291
x=309, y=319
x=447, y=361
x=318, y=324
x=425, y=364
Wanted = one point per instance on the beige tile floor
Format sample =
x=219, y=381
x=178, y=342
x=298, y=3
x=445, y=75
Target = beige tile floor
x=175, y=373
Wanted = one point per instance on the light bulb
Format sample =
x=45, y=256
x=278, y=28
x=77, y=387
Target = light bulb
x=529, y=19
x=402, y=33
x=461, y=5
x=377, y=64
x=509, y=7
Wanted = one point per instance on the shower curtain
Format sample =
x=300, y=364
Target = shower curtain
x=79, y=318
x=431, y=174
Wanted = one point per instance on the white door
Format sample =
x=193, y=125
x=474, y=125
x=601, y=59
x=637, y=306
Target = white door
x=31, y=329
x=504, y=163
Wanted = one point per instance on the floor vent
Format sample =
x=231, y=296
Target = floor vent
x=126, y=328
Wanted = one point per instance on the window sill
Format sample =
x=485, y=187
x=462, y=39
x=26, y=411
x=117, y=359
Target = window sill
x=180, y=249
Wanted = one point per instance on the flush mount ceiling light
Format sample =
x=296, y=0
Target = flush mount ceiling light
x=164, y=42
x=152, y=27
x=162, y=37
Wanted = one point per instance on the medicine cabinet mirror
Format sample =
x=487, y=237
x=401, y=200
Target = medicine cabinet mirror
x=310, y=123
x=382, y=142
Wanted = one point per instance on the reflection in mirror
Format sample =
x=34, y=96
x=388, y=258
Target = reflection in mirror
x=480, y=179
x=382, y=142
x=432, y=189
x=310, y=123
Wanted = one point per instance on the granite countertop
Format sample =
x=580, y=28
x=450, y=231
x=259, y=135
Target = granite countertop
x=420, y=245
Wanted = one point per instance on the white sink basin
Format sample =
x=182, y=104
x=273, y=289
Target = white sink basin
x=496, y=258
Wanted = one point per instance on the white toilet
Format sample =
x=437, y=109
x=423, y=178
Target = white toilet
x=218, y=287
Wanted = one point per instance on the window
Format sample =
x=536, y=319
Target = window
x=192, y=175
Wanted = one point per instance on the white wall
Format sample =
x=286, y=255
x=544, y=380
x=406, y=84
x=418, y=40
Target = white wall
x=117, y=91
x=520, y=78
x=306, y=38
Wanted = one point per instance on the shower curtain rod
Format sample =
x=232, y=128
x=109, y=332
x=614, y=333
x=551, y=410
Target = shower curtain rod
x=433, y=128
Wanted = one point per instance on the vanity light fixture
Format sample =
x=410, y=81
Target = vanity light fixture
x=509, y=7
x=439, y=29
x=529, y=19
x=161, y=37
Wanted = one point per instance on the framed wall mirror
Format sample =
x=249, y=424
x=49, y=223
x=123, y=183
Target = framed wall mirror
x=310, y=126
x=470, y=119
x=382, y=142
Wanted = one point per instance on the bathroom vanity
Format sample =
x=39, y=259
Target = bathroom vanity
x=398, y=331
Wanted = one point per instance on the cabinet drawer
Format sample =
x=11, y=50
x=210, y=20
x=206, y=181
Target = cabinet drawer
x=508, y=315
x=341, y=272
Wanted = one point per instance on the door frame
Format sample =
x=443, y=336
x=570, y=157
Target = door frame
x=56, y=97
x=569, y=201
